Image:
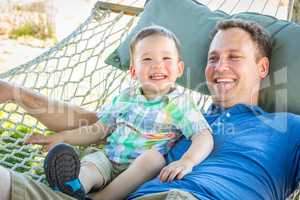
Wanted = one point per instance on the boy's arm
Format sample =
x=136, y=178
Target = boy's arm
x=55, y=115
x=82, y=136
x=202, y=145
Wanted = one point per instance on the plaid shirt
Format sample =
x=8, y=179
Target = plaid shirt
x=139, y=124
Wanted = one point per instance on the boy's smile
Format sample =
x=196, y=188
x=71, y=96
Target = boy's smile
x=158, y=76
x=156, y=65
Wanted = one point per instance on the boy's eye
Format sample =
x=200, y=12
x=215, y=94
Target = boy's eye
x=167, y=58
x=146, y=59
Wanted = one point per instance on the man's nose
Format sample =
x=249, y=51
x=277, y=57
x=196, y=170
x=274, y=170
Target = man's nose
x=222, y=65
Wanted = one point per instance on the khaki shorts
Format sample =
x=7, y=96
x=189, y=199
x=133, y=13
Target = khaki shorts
x=169, y=195
x=108, y=169
x=24, y=188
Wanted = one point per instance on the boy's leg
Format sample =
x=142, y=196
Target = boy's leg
x=90, y=177
x=142, y=169
x=5, y=184
x=96, y=170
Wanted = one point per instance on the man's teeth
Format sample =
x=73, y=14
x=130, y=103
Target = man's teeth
x=224, y=80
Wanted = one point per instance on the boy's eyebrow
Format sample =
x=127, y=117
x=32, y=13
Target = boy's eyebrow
x=167, y=52
x=162, y=52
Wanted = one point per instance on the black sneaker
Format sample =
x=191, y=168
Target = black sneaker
x=62, y=167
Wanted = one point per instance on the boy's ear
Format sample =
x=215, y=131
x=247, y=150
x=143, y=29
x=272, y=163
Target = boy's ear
x=180, y=68
x=263, y=67
x=132, y=70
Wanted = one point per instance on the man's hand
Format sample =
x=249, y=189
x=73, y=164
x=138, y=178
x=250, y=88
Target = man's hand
x=47, y=141
x=177, y=169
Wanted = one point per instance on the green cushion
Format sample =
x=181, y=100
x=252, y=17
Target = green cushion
x=192, y=22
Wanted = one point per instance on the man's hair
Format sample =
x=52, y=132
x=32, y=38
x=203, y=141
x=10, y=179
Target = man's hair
x=259, y=36
x=150, y=31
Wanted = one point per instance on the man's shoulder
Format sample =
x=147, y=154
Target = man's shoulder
x=288, y=120
x=282, y=115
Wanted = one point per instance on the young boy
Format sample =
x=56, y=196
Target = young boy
x=141, y=124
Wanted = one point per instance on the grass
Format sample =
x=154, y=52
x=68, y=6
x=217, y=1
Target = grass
x=32, y=30
x=28, y=20
x=12, y=150
x=296, y=12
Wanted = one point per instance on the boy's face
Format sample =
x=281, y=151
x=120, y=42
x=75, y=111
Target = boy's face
x=156, y=65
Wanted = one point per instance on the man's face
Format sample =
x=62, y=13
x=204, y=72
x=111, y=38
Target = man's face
x=233, y=72
x=156, y=65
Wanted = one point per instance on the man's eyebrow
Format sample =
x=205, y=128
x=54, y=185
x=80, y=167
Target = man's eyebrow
x=234, y=51
x=227, y=51
x=212, y=53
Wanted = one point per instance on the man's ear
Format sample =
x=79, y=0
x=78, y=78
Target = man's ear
x=263, y=65
x=132, y=70
x=180, y=66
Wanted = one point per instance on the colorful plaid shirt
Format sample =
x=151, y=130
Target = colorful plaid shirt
x=139, y=124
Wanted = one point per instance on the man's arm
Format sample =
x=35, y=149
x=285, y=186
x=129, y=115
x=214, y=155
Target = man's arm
x=55, y=115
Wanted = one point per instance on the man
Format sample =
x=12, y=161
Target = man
x=253, y=158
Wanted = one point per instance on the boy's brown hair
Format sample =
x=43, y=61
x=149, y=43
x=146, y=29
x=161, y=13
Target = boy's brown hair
x=150, y=31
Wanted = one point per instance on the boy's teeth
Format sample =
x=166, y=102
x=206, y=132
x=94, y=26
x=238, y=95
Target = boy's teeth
x=157, y=76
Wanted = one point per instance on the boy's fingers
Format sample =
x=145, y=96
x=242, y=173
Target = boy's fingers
x=37, y=139
x=182, y=174
x=164, y=174
x=29, y=139
x=174, y=173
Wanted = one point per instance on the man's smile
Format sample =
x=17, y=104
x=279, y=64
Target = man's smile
x=225, y=83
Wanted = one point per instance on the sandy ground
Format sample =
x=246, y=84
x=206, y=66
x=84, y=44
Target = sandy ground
x=14, y=53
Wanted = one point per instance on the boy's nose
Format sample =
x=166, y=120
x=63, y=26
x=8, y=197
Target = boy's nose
x=157, y=64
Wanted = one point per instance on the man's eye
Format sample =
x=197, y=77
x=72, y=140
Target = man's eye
x=234, y=57
x=212, y=59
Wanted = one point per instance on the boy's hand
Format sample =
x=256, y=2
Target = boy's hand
x=177, y=169
x=47, y=141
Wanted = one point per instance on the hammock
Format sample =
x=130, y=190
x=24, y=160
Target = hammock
x=74, y=71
